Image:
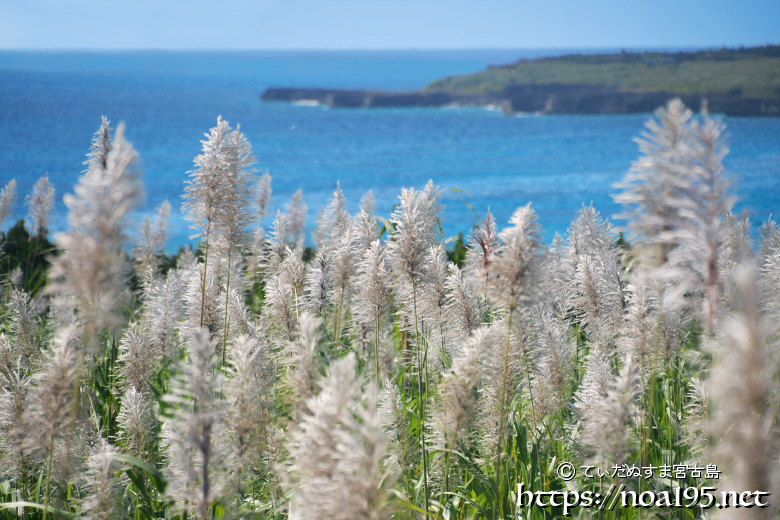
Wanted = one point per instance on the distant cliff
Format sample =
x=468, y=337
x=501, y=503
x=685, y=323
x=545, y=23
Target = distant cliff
x=736, y=82
x=548, y=99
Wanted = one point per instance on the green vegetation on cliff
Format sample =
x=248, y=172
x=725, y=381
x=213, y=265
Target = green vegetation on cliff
x=748, y=73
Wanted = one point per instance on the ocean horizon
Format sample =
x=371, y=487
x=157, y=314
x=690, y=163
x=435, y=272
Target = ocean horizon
x=51, y=104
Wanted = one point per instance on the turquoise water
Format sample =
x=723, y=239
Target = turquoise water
x=51, y=103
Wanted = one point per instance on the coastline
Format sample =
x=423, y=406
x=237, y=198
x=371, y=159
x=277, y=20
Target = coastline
x=541, y=99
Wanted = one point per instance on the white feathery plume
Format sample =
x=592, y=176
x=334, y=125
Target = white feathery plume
x=106, y=193
x=567, y=257
x=291, y=273
x=366, y=232
x=697, y=417
x=7, y=198
x=23, y=328
x=455, y=411
x=737, y=246
x=512, y=261
x=246, y=416
x=301, y=363
x=296, y=216
x=595, y=233
x=263, y=195
x=97, y=158
x=769, y=239
x=204, y=191
x=216, y=198
x=164, y=309
x=9, y=357
x=277, y=243
x=368, y=203
x=372, y=298
x=151, y=242
x=49, y=422
x=388, y=353
x=50, y=408
x=202, y=303
x=187, y=261
x=233, y=211
x=483, y=243
x=257, y=259
x=649, y=185
x=159, y=233
x=362, y=454
x=736, y=254
x=319, y=234
x=555, y=279
x=104, y=488
x=595, y=290
x=638, y=329
x=16, y=278
x=462, y=310
x=702, y=197
x=430, y=196
x=554, y=371
x=743, y=393
x=240, y=321
x=513, y=343
x=391, y=411
x=319, y=284
x=137, y=359
x=281, y=311
x=14, y=391
x=342, y=247
x=336, y=212
x=191, y=434
x=40, y=203
x=585, y=294
x=257, y=255
x=671, y=332
x=769, y=265
x=523, y=354
x=509, y=281
x=770, y=278
x=433, y=294
x=595, y=384
x=135, y=422
x=412, y=236
x=333, y=221
x=414, y=222
x=91, y=270
x=317, y=490
x=337, y=458
x=607, y=425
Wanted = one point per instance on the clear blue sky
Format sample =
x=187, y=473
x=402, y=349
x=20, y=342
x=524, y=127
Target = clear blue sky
x=384, y=24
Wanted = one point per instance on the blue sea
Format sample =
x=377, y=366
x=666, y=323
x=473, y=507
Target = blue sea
x=51, y=104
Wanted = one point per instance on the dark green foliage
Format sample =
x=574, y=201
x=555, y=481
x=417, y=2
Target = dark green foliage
x=457, y=252
x=722, y=54
x=309, y=252
x=28, y=252
x=747, y=73
x=168, y=262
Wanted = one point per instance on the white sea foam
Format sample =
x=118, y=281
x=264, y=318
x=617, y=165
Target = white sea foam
x=527, y=114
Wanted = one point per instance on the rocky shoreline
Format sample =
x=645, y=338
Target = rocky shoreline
x=546, y=99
